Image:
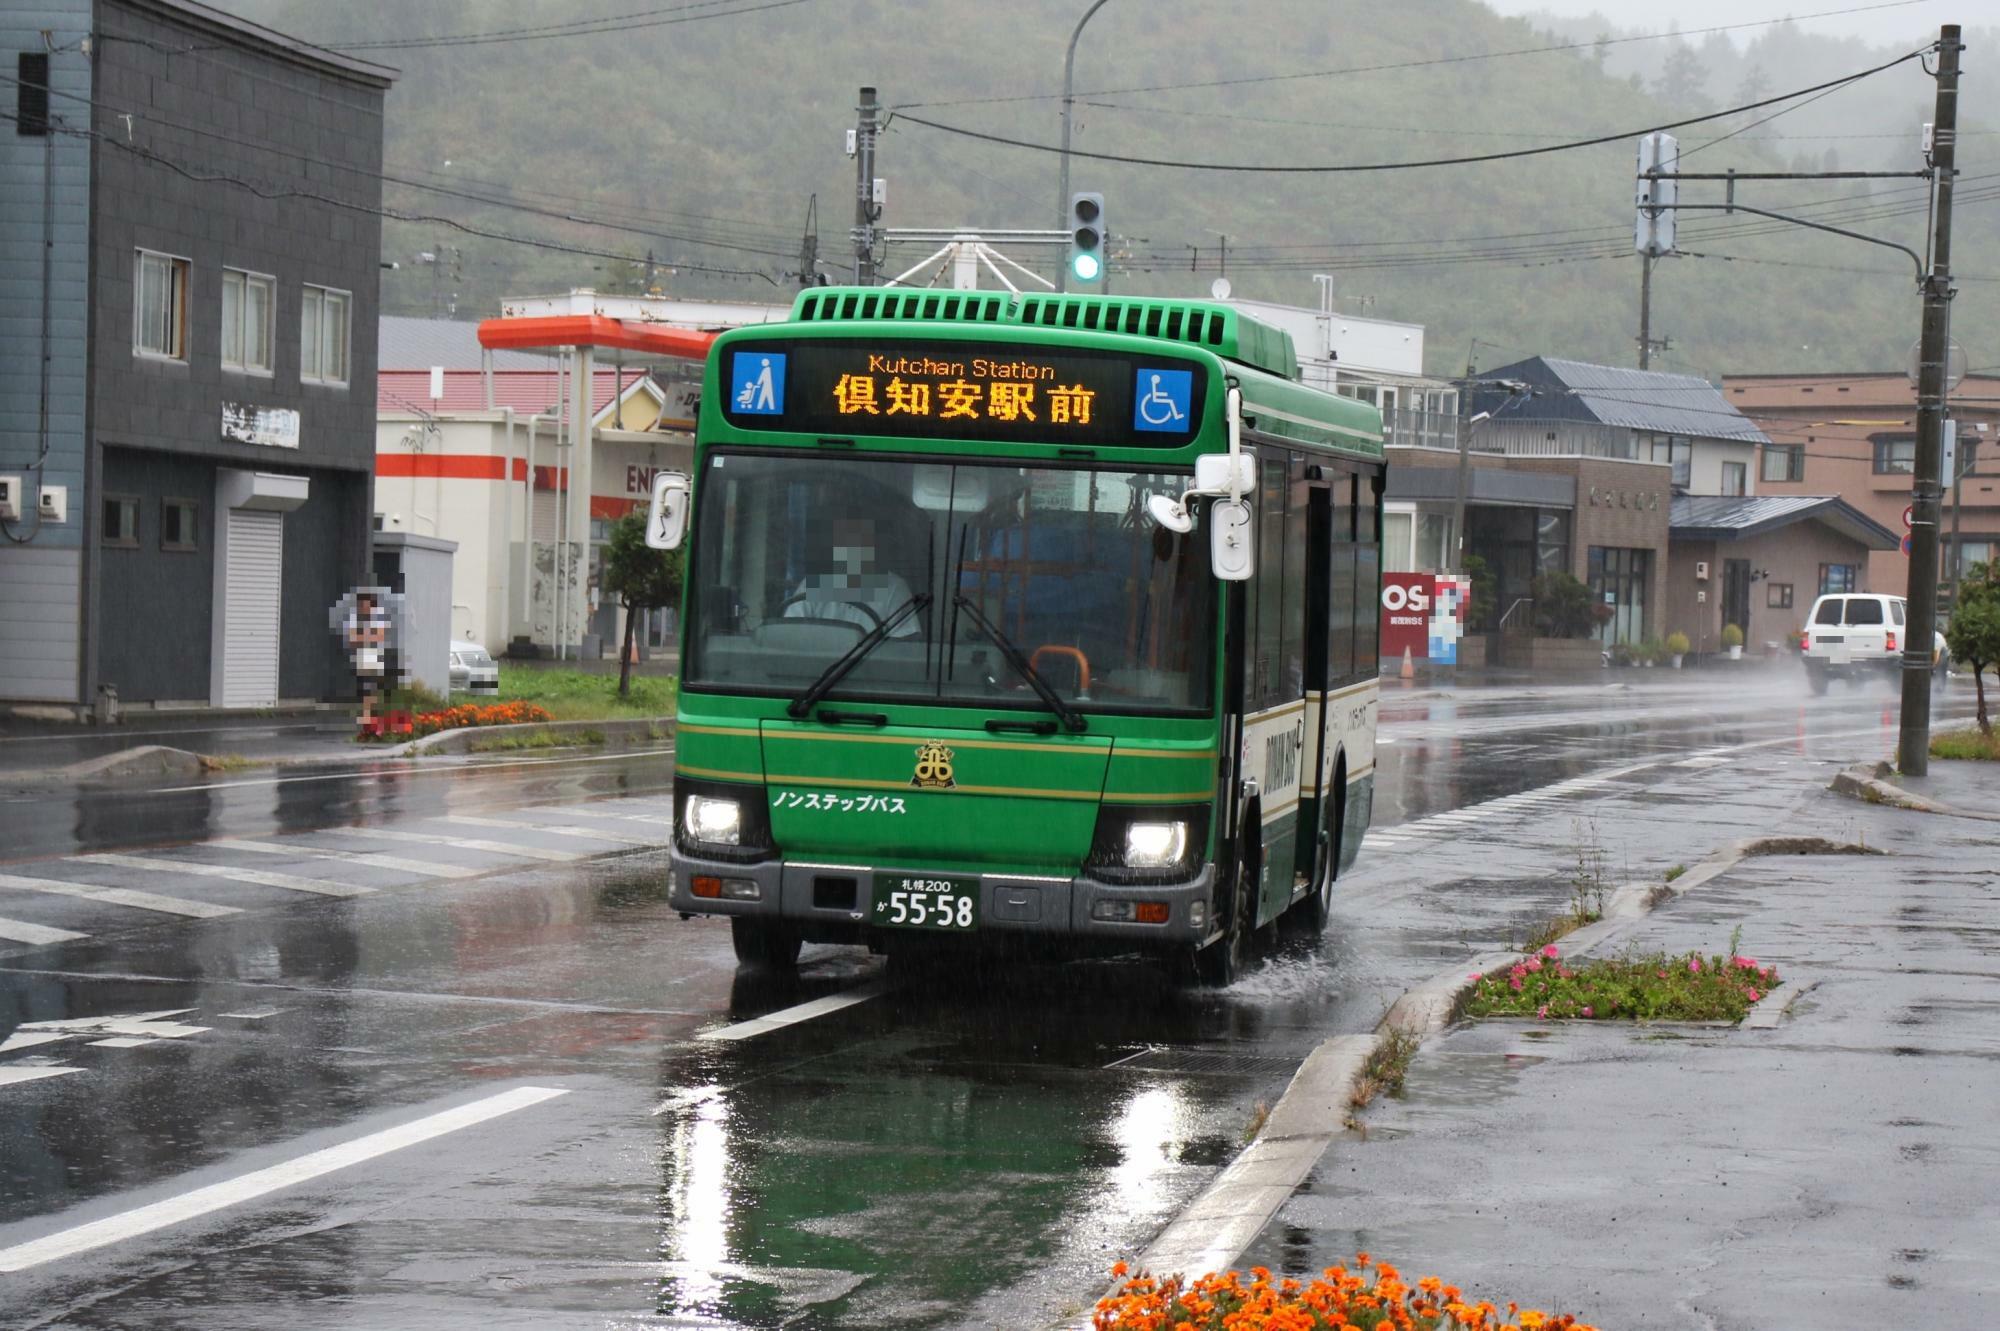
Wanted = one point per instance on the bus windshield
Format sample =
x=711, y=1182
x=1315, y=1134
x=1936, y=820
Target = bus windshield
x=798, y=557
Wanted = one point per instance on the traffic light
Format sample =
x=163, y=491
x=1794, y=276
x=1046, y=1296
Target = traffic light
x=1086, y=246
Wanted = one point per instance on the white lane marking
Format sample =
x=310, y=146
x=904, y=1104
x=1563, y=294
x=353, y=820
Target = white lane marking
x=261, y=877
x=16, y=1072
x=461, y=843
x=121, y=1042
x=367, y=857
x=247, y=1187
x=255, y=1014
x=152, y=1025
x=404, y=772
x=792, y=1016
x=119, y=896
x=24, y=1040
x=20, y=931
x=528, y=825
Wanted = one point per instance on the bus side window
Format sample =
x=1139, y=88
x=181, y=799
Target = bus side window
x=1292, y=658
x=1265, y=688
x=1368, y=579
x=1343, y=615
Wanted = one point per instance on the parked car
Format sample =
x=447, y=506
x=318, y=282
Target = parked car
x=1855, y=634
x=473, y=669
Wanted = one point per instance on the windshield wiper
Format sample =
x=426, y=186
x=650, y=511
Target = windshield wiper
x=1071, y=718
x=833, y=674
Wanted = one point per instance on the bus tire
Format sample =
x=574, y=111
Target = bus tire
x=765, y=945
x=1219, y=964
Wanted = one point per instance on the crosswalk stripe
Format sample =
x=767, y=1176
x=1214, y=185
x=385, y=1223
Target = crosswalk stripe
x=525, y=825
x=463, y=843
x=16, y=1072
x=261, y=877
x=20, y=931
x=368, y=857
x=119, y=896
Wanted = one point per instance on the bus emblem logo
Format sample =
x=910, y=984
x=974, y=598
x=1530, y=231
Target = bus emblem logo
x=933, y=767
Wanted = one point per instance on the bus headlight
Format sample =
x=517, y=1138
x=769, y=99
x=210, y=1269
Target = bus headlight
x=1155, y=845
x=716, y=821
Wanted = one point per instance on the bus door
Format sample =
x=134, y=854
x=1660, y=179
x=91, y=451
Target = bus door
x=1274, y=696
x=1339, y=593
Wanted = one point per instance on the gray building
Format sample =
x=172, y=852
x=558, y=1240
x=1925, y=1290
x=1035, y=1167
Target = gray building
x=189, y=251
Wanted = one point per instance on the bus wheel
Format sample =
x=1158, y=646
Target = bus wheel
x=764, y=944
x=1218, y=964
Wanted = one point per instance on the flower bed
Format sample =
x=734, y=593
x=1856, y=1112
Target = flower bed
x=1335, y=1301
x=400, y=725
x=1653, y=987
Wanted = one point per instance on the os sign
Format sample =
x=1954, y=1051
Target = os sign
x=1406, y=614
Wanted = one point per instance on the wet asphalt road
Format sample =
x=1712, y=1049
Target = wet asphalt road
x=499, y=1058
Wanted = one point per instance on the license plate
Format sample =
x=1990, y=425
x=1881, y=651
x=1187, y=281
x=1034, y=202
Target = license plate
x=917, y=901
x=1829, y=639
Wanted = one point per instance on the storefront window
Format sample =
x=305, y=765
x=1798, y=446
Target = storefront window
x=1618, y=579
x=1396, y=542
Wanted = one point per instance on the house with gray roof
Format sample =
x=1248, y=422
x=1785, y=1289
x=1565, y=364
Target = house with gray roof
x=1573, y=407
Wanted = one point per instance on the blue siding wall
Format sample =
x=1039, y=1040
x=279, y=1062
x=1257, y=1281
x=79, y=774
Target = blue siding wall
x=41, y=580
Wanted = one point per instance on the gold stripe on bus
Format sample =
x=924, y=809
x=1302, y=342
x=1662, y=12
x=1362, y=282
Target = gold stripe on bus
x=718, y=773
x=859, y=783
x=1266, y=409
x=1258, y=718
x=1205, y=755
x=1087, y=750
x=1318, y=696
x=689, y=728
x=1160, y=797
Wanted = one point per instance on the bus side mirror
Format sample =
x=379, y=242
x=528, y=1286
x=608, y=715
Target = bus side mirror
x=1230, y=551
x=666, y=523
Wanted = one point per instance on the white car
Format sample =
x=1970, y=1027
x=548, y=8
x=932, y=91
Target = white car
x=1853, y=634
x=473, y=669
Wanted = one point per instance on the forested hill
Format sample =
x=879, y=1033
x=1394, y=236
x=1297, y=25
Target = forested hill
x=703, y=141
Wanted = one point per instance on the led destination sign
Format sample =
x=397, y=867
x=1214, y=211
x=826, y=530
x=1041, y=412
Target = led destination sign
x=964, y=390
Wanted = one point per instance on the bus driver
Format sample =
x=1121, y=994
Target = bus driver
x=851, y=590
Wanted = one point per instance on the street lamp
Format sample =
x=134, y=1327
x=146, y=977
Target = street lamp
x=1069, y=72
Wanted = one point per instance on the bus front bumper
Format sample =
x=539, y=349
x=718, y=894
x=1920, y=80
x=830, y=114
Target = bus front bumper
x=832, y=901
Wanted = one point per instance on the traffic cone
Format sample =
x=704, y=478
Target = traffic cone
x=1409, y=671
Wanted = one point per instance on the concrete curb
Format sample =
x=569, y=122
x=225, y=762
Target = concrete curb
x=140, y=760
x=1872, y=785
x=1213, y=1230
x=462, y=739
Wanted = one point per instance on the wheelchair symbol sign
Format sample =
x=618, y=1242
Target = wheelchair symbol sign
x=1161, y=399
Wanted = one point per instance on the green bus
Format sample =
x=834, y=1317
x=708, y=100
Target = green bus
x=1049, y=620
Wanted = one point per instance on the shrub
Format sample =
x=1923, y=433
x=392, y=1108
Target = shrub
x=1677, y=644
x=407, y=725
x=1648, y=650
x=1974, y=633
x=1652, y=987
x=1563, y=606
x=1732, y=635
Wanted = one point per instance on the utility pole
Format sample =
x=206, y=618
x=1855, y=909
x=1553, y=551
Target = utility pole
x=1068, y=103
x=1913, y=736
x=809, y=247
x=1645, y=311
x=865, y=210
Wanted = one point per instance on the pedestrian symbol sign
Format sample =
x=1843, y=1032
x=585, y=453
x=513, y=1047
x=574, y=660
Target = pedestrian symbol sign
x=1160, y=399
x=759, y=379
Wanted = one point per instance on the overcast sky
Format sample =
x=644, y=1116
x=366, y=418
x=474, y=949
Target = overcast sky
x=1891, y=24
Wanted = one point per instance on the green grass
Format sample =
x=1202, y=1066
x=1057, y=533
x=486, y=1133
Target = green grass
x=572, y=695
x=1676, y=872
x=536, y=739
x=1644, y=987
x=1966, y=744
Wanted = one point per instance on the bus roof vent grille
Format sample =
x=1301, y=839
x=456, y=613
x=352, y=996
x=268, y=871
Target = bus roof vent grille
x=1222, y=329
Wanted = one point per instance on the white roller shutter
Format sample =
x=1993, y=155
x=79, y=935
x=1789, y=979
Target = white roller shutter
x=252, y=594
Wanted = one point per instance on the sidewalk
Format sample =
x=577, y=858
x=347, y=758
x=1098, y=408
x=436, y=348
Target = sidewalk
x=1838, y=1169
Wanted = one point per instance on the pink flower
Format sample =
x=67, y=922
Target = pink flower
x=1694, y=965
x=1542, y=1012
x=1535, y=964
x=1473, y=976
x=1515, y=984
x=1753, y=995
x=1586, y=1012
x=1550, y=952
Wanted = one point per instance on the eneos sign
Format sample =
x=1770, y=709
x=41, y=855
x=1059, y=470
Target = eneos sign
x=1406, y=614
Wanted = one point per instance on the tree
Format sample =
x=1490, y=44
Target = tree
x=1974, y=634
x=1683, y=82
x=641, y=578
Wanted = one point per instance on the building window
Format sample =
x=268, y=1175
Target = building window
x=249, y=301
x=31, y=94
x=121, y=522
x=1679, y=453
x=1784, y=462
x=1778, y=595
x=159, y=307
x=1396, y=525
x=1618, y=580
x=323, y=336
x=177, y=524
x=1835, y=578
x=1895, y=454
x=1736, y=478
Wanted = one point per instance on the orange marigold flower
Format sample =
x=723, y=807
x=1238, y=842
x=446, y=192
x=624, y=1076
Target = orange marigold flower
x=1119, y=1268
x=1361, y=1259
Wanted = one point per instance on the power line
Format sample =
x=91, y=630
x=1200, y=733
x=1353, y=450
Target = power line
x=1344, y=168
x=1408, y=64
x=575, y=28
